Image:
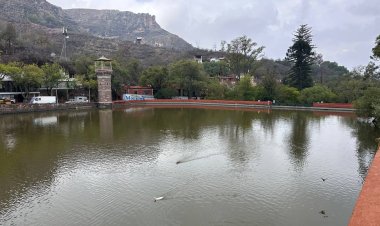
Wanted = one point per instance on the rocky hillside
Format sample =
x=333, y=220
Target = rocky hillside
x=106, y=24
x=126, y=26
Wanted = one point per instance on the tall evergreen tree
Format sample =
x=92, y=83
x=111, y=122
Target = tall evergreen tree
x=376, y=49
x=301, y=55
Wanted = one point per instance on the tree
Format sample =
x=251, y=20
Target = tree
x=157, y=77
x=52, y=73
x=215, y=90
x=134, y=71
x=9, y=36
x=30, y=78
x=120, y=77
x=216, y=68
x=301, y=55
x=242, y=53
x=376, y=49
x=287, y=95
x=188, y=76
x=243, y=90
x=371, y=72
x=269, y=85
x=369, y=104
x=87, y=81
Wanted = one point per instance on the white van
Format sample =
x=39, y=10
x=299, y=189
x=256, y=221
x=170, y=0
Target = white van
x=78, y=99
x=43, y=100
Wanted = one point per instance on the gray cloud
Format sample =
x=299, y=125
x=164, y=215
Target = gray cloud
x=344, y=31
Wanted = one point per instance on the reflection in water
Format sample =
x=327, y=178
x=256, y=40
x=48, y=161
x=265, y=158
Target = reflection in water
x=366, y=144
x=104, y=167
x=45, y=121
x=106, y=125
x=298, y=139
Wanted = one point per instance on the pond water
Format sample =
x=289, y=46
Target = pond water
x=212, y=166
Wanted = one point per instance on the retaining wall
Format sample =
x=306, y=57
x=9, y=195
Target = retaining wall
x=24, y=108
x=367, y=208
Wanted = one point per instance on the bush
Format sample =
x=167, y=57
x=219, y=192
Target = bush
x=287, y=95
x=165, y=93
x=317, y=94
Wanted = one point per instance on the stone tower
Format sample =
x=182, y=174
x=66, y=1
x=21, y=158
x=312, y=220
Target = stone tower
x=103, y=70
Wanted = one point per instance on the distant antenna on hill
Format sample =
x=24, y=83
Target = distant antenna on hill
x=64, y=47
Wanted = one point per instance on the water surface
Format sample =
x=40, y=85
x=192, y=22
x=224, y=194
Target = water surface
x=213, y=167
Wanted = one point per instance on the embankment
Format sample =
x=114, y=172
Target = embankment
x=25, y=108
x=367, y=208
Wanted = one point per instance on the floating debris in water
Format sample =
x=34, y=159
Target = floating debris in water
x=323, y=179
x=197, y=158
x=158, y=198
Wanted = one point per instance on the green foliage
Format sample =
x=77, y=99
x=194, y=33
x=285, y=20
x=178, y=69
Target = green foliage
x=215, y=90
x=316, y=94
x=269, y=88
x=242, y=54
x=120, y=77
x=52, y=73
x=243, y=90
x=301, y=55
x=134, y=71
x=157, y=77
x=216, y=68
x=188, y=76
x=376, y=49
x=166, y=93
x=349, y=90
x=369, y=104
x=287, y=95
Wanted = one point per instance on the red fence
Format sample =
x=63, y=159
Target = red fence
x=332, y=105
x=265, y=103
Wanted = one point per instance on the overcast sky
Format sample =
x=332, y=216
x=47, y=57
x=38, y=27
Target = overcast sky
x=344, y=31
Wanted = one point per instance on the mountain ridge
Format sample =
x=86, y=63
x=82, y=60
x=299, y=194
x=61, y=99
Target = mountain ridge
x=111, y=24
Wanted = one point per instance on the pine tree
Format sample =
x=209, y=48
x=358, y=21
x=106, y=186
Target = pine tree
x=301, y=55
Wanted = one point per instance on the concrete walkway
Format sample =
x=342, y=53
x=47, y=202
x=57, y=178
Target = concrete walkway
x=367, y=209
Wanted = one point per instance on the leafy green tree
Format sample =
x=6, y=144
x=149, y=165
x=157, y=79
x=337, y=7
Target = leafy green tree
x=52, y=73
x=216, y=68
x=83, y=65
x=242, y=54
x=350, y=90
x=166, y=93
x=371, y=72
x=30, y=78
x=301, y=55
x=376, y=49
x=134, y=70
x=87, y=81
x=369, y=104
x=188, y=77
x=269, y=85
x=317, y=93
x=119, y=79
x=243, y=90
x=215, y=90
x=157, y=77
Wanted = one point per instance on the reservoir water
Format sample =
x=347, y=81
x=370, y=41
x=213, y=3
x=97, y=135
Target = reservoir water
x=211, y=166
